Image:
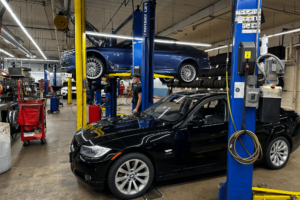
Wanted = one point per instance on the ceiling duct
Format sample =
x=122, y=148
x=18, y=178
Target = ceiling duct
x=17, y=42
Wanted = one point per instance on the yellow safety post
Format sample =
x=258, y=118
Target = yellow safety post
x=78, y=54
x=83, y=59
x=69, y=91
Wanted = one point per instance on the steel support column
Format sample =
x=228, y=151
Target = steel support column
x=148, y=53
x=239, y=176
x=80, y=52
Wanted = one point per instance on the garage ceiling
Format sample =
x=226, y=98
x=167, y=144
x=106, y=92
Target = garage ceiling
x=105, y=15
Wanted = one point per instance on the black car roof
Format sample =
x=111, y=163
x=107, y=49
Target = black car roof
x=200, y=94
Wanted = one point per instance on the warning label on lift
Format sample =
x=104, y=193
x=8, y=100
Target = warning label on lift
x=248, y=18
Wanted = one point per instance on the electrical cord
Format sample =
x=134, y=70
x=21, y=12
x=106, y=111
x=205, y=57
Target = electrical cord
x=258, y=153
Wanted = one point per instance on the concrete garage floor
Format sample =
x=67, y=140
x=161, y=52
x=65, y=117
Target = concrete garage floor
x=43, y=171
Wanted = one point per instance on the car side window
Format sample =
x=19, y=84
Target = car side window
x=213, y=112
x=164, y=46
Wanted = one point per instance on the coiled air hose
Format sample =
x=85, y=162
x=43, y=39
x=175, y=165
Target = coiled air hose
x=258, y=153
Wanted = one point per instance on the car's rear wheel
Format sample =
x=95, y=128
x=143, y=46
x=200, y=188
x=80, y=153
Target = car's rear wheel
x=94, y=68
x=131, y=176
x=277, y=153
x=166, y=80
x=187, y=72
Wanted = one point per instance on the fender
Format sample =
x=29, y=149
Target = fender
x=97, y=52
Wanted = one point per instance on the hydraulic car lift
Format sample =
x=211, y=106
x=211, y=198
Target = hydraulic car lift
x=142, y=59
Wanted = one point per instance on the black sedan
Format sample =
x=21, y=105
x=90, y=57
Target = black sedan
x=182, y=135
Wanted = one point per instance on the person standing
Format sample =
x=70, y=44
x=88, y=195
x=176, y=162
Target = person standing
x=137, y=93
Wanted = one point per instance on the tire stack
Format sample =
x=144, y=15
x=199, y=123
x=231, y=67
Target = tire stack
x=219, y=59
x=213, y=82
x=194, y=84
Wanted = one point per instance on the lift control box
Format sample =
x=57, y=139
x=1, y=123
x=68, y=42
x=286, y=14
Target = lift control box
x=246, y=56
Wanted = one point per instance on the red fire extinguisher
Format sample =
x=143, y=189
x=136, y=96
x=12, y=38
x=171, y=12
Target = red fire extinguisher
x=94, y=113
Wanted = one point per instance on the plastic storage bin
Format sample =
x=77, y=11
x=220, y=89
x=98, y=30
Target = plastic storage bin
x=5, y=148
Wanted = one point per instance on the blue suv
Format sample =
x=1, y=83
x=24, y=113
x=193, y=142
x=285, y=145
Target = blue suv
x=184, y=62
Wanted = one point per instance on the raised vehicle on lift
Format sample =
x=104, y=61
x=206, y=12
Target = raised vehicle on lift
x=182, y=61
x=182, y=135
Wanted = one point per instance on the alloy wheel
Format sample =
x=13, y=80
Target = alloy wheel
x=188, y=73
x=132, y=176
x=279, y=153
x=94, y=68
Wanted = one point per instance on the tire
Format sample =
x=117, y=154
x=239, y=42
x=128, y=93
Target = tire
x=187, y=73
x=166, y=80
x=119, y=168
x=94, y=68
x=280, y=156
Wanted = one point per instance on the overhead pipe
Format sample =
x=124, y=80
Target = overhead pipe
x=295, y=69
x=287, y=52
x=17, y=42
x=56, y=37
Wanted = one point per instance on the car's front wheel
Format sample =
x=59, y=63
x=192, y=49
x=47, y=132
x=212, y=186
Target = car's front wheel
x=277, y=153
x=187, y=72
x=131, y=176
x=94, y=68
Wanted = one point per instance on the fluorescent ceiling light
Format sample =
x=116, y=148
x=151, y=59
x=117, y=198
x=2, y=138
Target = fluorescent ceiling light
x=22, y=27
x=27, y=59
x=277, y=34
x=138, y=38
x=179, y=42
x=111, y=35
x=1, y=50
x=283, y=33
x=217, y=48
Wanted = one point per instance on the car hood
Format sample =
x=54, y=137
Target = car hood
x=97, y=41
x=115, y=128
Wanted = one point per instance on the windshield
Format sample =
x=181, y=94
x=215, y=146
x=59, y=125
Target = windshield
x=171, y=109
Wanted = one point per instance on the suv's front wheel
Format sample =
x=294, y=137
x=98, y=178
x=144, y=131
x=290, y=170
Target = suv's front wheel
x=131, y=176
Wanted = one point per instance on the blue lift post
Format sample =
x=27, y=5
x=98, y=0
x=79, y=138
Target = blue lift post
x=239, y=177
x=137, y=54
x=98, y=93
x=111, y=99
x=45, y=78
x=54, y=75
x=148, y=53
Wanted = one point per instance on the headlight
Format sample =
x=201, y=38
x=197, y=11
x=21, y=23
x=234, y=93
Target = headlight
x=93, y=151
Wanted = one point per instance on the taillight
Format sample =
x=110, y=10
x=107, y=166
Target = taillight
x=299, y=120
x=207, y=55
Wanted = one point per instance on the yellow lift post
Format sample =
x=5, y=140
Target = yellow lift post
x=80, y=53
x=69, y=91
